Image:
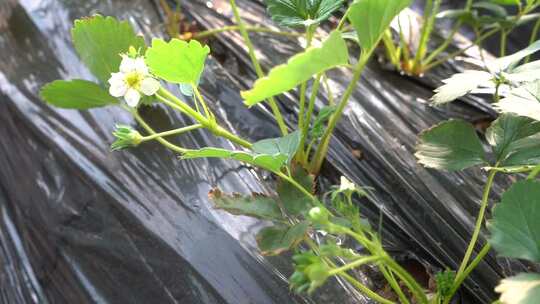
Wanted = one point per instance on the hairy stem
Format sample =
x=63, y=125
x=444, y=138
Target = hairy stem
x=172, y=132
x=459, y=279
x=325, y=141
x=161, y=140
x=478, y=226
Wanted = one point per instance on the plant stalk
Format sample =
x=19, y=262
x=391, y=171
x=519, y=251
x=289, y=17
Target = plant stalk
x=255, y=29
x=325, y=141
x=171, y=132
x=257, y=66
x=478, y=226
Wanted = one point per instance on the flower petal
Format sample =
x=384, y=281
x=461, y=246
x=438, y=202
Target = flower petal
x=118, y=88
x=140, y=66
x=132, y=97
x=149, y=86
x=127, y=65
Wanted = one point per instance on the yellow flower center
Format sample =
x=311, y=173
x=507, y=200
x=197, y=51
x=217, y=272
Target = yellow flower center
x=133, y=80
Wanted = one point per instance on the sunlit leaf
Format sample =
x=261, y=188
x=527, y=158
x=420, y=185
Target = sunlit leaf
x=277, y=239
x=255, y=205
x=299, y=68
x=177, y=61
x=510, y=61
x=370, y=18
x=521, y=289
x=523, y=101
x=293, y=200
x=460, y=85
x=301, y=12
x=515, y=228
x=76, y=94
x=452, y=145
x=269, y=162
x=514, y=141
x=99, y=41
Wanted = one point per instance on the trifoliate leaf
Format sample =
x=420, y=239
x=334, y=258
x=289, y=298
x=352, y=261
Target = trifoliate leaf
x=277, y=239
x=256, y=205
x=522, y=101
x=460, y=85
x=292, y=199
x=177, y=61
x=269, y=162
x=299, y=68
x=521, y=289
x=452, y=145
x=514, y=141
x=76, y=94
x=286, y=145
x=515, y=228
x=301, y=12
x=370, y=18
x=100, y=40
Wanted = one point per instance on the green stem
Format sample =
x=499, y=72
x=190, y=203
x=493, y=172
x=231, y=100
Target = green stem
x=411, y=283
x=459, y=279
x=311, y=108
x=359, y=286
x=161, y=140
x=444, y=45
x=171, y=132
x=461, y=51
x=352, y=265
x=533, y=38
x=325, y=141
x=169, y=99
x=365, y=290
x=534, y=173
x=394, y=284
x=255, y=29
x=478, y=226
x=504, y=39
x=257, y=65
x=303, y=89
x=429, y=19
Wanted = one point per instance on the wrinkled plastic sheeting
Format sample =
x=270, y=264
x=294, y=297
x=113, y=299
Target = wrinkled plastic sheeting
x=79, y=224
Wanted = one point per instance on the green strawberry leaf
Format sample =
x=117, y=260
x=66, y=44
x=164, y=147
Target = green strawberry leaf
x=272, y=163
x=452, y=145
x=300, y=68
x=277, y=239
x=515, y=140
x=370, y=18
x=177, y=61
x=515, y=228
x=293, y=200
x=302, y=12
x=100, y=41
x=76, y=94
x=286, y=145
x=256, y=205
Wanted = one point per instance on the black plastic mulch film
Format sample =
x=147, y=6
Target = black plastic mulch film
x=79, y=224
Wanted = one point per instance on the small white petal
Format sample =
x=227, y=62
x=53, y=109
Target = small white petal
x=127, y=65
x=140, y=66
x=132, y=97
x=149, y=86
x=118, y=89
x=116, y=77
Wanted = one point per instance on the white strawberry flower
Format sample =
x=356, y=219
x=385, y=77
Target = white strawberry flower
x=132, y=80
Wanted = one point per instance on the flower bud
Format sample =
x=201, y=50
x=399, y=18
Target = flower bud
x=126, y=137
x=319, y=215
